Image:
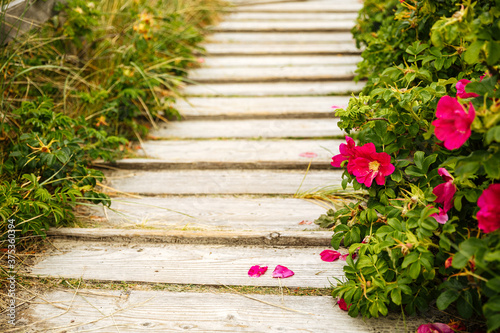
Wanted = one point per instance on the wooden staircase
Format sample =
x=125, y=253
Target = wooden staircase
x=213, y=195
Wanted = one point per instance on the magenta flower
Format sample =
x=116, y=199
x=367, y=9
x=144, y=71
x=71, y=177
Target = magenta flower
x=488, y=217
x=282, y=272
x=369, y=165
x=330, y=255
x=343, y=305
x=461, y=89
x=441, y=217
x=435, y=328
x=453, y=122
x=444, y=193
x=347, y=152
x=256, y=271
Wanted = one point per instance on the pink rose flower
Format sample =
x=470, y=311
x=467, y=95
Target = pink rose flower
x=282, y=272
x=343, y=305
x=256, y=271
x=461, y=89
x=488, y=217
x=368, y=165
x=453, y=122
x=444, y=193
x=329, y=255
x=435, y=328
x=347, y=152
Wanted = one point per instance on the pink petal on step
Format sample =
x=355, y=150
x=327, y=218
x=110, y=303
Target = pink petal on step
x=308, y=154
x=338, y=107
x=282, y=272
x=330, y=255
x=256, y=271
x=305, y=222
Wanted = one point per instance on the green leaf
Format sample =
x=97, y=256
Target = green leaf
x=418, y=158
x=493, y=52
x=493, y=322
x=471, y=56
x=413, y=171
x=464, y=304
x=415, y=269
x=396, y=296
x=446, y=298
x=493, y=283
x=459, y=260
x=411, y=258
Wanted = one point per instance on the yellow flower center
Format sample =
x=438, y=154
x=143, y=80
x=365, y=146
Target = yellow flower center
x=374, y=166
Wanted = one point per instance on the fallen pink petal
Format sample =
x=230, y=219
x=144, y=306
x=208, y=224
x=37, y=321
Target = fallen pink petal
x=308, y=154
x=343, y=305
x=257, y=271
x=305, y=222
x=282, y=272
x=330, y=255
x=338, y=106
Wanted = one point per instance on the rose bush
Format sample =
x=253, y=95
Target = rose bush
x=427, y=127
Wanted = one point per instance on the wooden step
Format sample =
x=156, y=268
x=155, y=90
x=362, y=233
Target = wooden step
x=275, y=89
x=273, y=74
x=284, y=26
x=162, y=311
x=229, y=154
x=280, y=38
x=186, y=264
x=260, y=107
x=264, y=63
x=303, y=7
x=297, y=17
x=227, y=214
x=197, y=182
x=282, y=49
x=234, y=238
x=249, y=128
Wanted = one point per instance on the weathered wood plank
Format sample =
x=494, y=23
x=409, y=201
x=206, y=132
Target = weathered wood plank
x=260, y=107
x=232, y=153
x=249, y=128
x=160, y=311
x=186, y=264
x=282, y=49
x=263, y=63
x=239, y=238
x=275, y=89
x=280, y=38
x=222, y=213
x=284, y=26
x=303, y=7
x=298, y=17
x=272, y=74
x=194, y=182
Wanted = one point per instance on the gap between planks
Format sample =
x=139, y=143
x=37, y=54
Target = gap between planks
x=233, y=238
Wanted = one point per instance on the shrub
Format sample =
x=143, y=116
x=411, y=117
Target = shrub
x=93, y=76
x=428, y=126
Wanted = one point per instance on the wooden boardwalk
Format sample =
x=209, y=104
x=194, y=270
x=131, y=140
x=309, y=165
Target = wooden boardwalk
x=213, y=195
